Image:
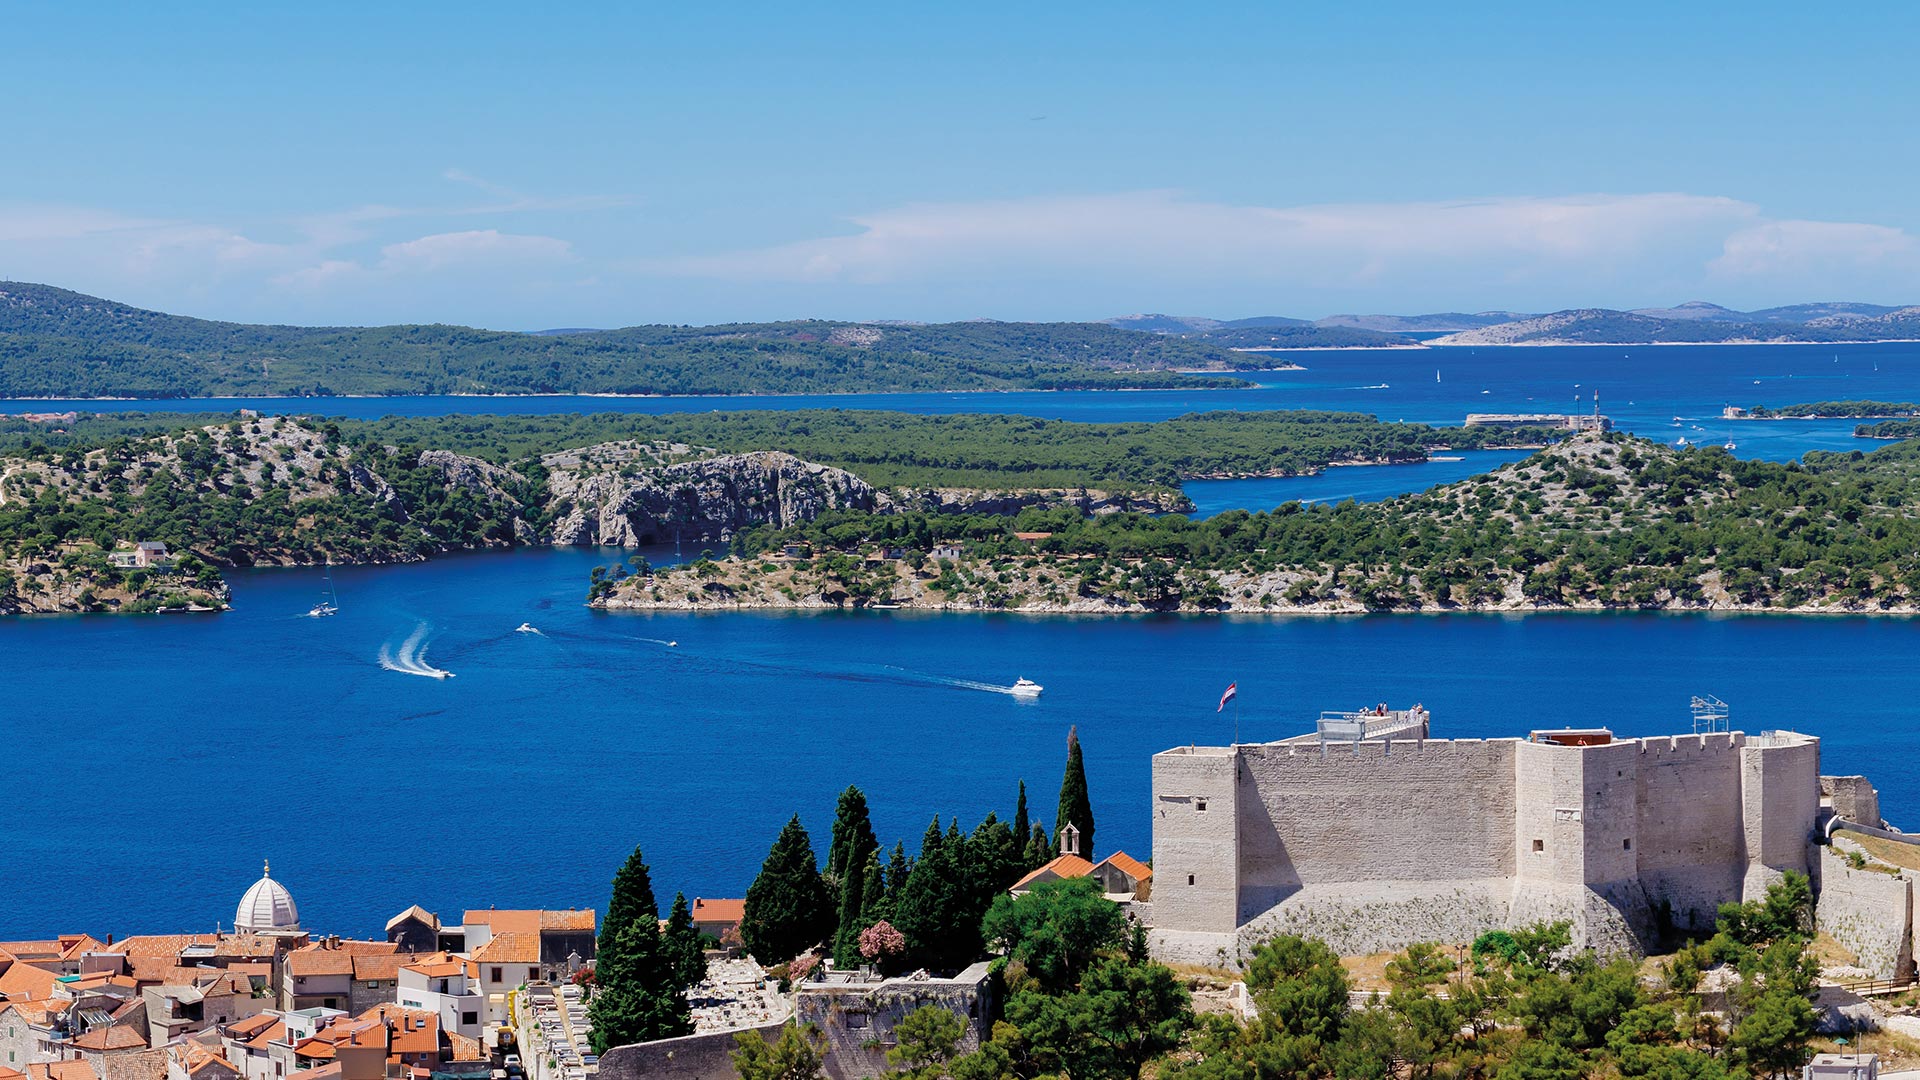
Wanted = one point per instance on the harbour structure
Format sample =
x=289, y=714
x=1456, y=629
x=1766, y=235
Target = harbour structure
x=1370, y=835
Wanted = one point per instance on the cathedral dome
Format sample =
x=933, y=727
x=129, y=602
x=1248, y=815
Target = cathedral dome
x=267, y=906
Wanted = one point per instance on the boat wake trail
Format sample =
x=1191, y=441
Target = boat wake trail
x=411, y=657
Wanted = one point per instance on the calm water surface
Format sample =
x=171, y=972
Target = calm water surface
x=158, y=759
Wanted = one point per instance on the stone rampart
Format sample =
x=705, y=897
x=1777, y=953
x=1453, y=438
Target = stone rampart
x=1869, y=912
x=1853, y=798
x=690, y=1057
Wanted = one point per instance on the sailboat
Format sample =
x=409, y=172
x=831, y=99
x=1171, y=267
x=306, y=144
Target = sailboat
x=1436, y=374
x=326, y=606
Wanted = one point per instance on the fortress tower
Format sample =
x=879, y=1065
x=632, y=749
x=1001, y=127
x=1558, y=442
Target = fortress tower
x=1376, y=837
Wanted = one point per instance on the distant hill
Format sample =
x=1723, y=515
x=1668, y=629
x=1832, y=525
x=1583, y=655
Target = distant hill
x=1259, y=332
x=1698, y=310
x=1439, y=322
x=1800, y=313
x=1601, y=326
x=57, y=343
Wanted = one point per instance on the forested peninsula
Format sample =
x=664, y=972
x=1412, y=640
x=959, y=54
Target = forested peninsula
x=1598, y=522
x=60, y=344
x=240, y=490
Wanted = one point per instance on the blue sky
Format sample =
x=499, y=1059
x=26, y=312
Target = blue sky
x=505, y=166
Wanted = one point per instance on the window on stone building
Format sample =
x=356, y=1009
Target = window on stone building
x=497, y=976
x=1189, y=879
x=1539, y=845
x=469, y=1018
x=1627, y=844
x=533, y=973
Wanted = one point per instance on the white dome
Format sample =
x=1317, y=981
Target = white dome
x=267, y=906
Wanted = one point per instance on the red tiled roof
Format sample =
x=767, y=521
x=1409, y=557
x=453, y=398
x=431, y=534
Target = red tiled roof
x=1128, y=865
x=512, y=947
x=24, y=982
x=314, y=960
x=705, y=910
x=1066, y=866
x=531, y=921
x=371, y=968
x=61, y=1070
x=251, y=1026
x=272, y=1033
x=113, y=1037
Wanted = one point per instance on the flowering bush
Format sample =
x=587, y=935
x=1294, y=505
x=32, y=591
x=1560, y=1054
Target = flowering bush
x=881, y=940
x=802, y=967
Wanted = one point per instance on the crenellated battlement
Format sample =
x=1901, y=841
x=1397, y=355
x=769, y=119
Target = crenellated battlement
x=1673, y=823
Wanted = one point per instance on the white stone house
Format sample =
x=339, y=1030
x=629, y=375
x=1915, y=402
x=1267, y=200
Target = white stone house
x=447, y=987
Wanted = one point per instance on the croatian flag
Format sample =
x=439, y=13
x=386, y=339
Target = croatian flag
x=1233, y=689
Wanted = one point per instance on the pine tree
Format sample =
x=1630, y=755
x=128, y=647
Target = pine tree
x=1021, y=825
x=682, y=941
x=932, y=909
x=1075, y=806
x=788, y=907
x=852, y=835
x=639, y=995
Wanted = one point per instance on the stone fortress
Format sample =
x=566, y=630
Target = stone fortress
x=1371, y=836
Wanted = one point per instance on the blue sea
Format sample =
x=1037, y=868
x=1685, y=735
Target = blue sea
x=156, y=760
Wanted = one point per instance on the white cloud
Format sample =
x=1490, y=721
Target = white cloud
x=1162, y=234
x=476, y=247
x=1812, y=248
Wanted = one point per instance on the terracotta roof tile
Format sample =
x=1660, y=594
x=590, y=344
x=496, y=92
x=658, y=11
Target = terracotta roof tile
x=113, y=1037
x=504, y=921
x=24, y=982
x=314, y=960
x=250, y=1026
x=372, y=968
x=705, y=910
x=272, y=1033
x=1128, y=865
x=11, y=1074
x=1066, y=866
x=415, y=912
x=61, y=1070
x=512, y=947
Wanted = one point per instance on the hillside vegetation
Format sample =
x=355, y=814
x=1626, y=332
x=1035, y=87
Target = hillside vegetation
x=1601, y=326
x=248, y=490
x=1600, y=521
x=56, y=343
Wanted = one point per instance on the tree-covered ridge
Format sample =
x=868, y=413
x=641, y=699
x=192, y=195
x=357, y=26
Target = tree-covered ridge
x=979, y=451
x=1888, y=429
x=55, y=343
x=1846, y=410
x=254, y=490
x=1599, y=521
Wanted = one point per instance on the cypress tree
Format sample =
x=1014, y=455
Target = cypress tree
x=788, y=908
x=682, y=941
x=1075, y=806
x=852, y=835
x=1039, y=851
x=640, y=996
x=846, y=943
x=1021, y=825
x=931, y=911
x=873, y=894
x=898, y=867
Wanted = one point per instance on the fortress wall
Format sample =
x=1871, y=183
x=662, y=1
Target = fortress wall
x=1868, y=912
x=1196, y=857
x=1691, y=844
x=1853, y=798
x=1610, y=785
x=1414, y=810
x=1780, y=797
x=1548, y=835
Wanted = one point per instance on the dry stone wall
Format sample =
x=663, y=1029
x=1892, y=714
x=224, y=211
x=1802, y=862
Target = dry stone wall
x=1869, y=912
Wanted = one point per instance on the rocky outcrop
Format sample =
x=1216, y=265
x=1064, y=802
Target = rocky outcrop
x=698, y=501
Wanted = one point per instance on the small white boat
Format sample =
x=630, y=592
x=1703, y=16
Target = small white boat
x=1024, y=687
x=321, y=610
x=441, y=674
x=1680, y=442
x=526, y=628
x=673, y=644
x=1730, y=447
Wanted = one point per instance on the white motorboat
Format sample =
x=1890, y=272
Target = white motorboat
x=1025, y=687
x=526, y=628
x=321, y=610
